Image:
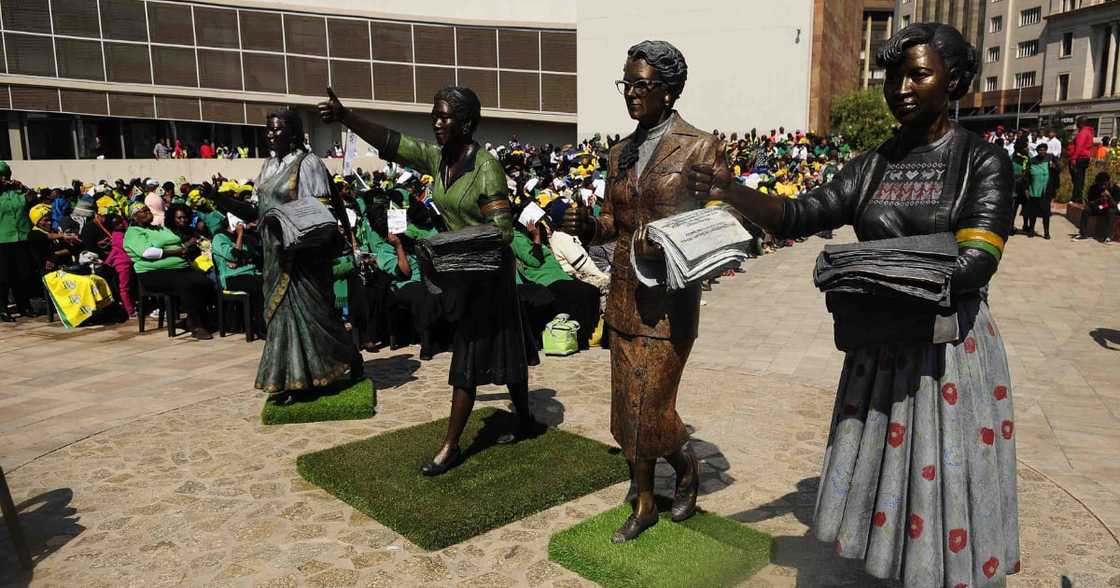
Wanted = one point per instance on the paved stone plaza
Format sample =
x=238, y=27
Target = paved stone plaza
x=141, y=461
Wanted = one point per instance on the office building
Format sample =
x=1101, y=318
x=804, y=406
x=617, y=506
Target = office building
x=1082, y=50
x=80, y=78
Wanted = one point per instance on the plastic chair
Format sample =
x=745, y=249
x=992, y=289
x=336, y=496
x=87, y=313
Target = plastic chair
x=168, y=304
x=235, y=297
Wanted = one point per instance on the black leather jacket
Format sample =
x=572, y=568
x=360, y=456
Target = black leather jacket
x=981, y=200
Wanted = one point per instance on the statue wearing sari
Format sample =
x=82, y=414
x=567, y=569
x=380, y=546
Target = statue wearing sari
x=306, y=345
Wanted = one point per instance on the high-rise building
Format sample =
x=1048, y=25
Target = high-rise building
x=1008, y=36
x=1082, y=50
x=878, y=18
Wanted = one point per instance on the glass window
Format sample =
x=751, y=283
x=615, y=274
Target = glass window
x=1063, y=87
x=1024, y=79
x=1067, y=45
x=1030, y=16
x=1027, y=49
x=993, y=55
x=991, y=84
x=995, y=24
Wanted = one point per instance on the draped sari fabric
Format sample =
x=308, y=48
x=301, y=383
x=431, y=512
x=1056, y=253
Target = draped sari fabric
x=306, y=345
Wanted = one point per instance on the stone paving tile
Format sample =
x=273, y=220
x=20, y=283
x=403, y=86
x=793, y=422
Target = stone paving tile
x=171, y=480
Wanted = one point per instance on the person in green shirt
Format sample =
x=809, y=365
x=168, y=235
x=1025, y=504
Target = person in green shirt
x=160, y=261
x=236, y=270
x=490, y=343
x=16, y=266
x=536, y=265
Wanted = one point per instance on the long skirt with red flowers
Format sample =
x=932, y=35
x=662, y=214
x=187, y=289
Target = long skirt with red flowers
x=919, y=473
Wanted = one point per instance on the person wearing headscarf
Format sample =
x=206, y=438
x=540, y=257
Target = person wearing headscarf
x=161, y=264
x=120, y=262
x=157, y=205
x=49, y=250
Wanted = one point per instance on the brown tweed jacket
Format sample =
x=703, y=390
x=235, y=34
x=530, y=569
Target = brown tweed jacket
x=661, y=190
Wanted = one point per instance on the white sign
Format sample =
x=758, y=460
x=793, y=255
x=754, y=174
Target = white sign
x=351, y=152
x=531, y=214
x=398, y=220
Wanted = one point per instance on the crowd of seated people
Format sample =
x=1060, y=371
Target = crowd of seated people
x=171, y=237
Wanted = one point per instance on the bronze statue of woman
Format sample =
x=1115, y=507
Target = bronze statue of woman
x=652, y=329
x=490, y=344
x=306, y=345
x=919, y=471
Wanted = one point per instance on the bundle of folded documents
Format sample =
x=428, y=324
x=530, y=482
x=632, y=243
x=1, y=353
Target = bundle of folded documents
x=477, y=248
x=305, y=223
x=698, y=244
x=918, y=268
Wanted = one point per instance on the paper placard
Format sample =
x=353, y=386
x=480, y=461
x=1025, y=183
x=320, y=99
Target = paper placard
x=531, y=214
x=398, y=220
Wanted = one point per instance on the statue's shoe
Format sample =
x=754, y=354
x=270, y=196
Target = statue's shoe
x=633, y=527
x=684, y=499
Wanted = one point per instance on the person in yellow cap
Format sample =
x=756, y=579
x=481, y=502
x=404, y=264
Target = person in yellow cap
x=49, y=250
x=15, y=256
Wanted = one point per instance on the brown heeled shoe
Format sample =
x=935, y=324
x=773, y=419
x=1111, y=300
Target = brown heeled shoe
x=684, y=499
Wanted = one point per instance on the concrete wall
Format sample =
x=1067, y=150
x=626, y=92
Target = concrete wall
x=748, y=66
x=57, y=172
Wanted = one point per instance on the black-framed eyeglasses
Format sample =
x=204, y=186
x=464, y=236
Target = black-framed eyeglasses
x=641, y=87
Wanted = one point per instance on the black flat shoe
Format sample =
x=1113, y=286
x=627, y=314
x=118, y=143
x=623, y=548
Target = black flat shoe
x=684, y=499
x=433, y=469
x=632, y=528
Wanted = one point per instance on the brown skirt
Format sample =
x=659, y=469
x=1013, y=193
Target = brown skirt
x=645, y=373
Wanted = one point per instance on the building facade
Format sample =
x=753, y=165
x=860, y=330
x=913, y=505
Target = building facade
x=85, y=77
x=1008, y=34
x=878, y=19
x=1082, y=50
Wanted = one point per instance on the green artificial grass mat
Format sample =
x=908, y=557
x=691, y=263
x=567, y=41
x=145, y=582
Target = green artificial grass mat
x=492, y=486
x=352, y=401
x=705, y=550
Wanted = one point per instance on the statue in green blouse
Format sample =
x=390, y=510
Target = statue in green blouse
x=490, y=344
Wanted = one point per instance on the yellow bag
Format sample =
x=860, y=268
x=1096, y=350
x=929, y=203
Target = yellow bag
x=597, y=335
x=203, y=263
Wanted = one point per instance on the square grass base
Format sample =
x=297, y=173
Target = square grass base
x=348, y=402
x=492, y=486
x=705, y=550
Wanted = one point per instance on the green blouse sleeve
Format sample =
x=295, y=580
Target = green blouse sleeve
x=523, y=248
x=222, y=248
x=135, y=242
x=417, y=154
x=493, y=197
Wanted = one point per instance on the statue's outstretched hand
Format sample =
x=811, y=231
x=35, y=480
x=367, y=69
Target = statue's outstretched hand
x=332, y=109
x=707, y=183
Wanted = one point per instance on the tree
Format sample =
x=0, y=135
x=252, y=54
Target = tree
x=863, y=118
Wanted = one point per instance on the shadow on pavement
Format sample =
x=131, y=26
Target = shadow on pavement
x=48, y=522
x=392, y=372
x=815, y=561
x=1107, y=338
